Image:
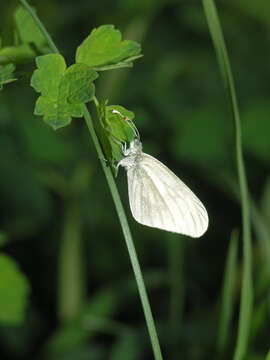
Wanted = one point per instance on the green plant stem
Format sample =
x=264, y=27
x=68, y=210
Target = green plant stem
x=225, y=68
x=228, y=295
x=40, y=25
x=119, y=208
x=129, y=241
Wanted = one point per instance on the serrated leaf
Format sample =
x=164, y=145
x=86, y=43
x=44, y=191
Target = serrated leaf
x=78, y=80
x=27, y=29
x=6, y=74
x=55, y=113
x=14, y=289
x=63, y=91
x=46, y=79
x=104, y=46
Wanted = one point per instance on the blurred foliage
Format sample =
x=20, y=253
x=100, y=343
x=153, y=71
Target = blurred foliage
x=27, y=39
x=6, y=74
x=181, y=111
x=3, y=238
x=14, y=289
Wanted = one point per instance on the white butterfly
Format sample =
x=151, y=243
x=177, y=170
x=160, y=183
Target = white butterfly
x=158, y=198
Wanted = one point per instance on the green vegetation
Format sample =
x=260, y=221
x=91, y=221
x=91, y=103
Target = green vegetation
x=67, y=290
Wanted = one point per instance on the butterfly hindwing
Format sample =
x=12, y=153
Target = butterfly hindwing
x=158, y=198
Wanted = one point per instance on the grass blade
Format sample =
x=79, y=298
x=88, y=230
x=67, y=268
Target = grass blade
x=227, y=301
x=225, y=68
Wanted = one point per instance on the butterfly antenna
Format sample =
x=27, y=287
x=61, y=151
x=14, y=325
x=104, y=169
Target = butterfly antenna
x=134, y=128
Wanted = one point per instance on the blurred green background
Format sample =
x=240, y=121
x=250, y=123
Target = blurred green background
x=66, y=284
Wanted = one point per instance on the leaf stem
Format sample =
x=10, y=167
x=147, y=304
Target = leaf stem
x=225, y=68
x=119, y=208
x=40, y=25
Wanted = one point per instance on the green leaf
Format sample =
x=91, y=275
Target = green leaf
x=57, y=114
x=6, y=74
x=268, y=356
x=120, y=125
x=46, y=79
x=104, y=47
x=115, y=127
x=104, y=134
x=78, y=80
x=63, y=91
x=56, y=110
x=14, y=290
x=27, y=29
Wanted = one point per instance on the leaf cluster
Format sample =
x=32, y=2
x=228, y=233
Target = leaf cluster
x=64, y=90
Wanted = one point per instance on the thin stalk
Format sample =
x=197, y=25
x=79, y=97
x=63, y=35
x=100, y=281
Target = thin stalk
x=40, y=25
x=119, y=208
x=225, y=68
x=228, y=296
x=129, y=241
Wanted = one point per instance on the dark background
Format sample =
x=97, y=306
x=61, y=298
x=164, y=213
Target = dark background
x=53, y=190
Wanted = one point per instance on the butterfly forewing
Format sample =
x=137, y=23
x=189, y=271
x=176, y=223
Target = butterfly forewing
x=158, y=198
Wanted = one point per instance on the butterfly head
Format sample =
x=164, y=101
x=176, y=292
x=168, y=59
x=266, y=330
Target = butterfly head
x=131, y=154
x=135, y=148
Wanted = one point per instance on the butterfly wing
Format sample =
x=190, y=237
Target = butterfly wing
x=158, y=198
